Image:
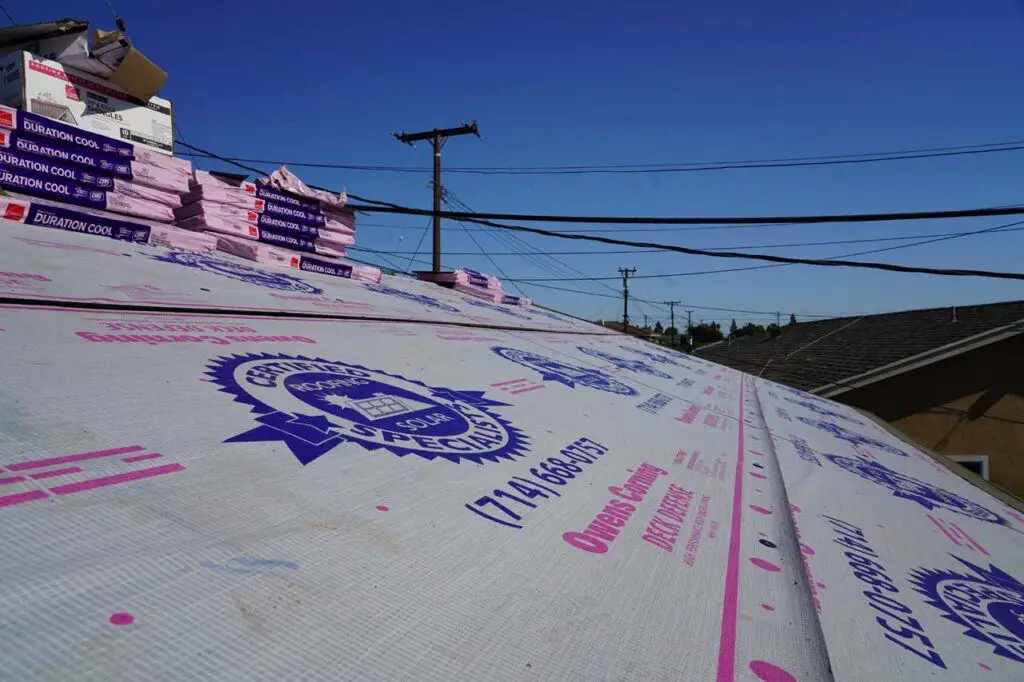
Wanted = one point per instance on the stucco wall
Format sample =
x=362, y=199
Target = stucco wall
x=972, y=404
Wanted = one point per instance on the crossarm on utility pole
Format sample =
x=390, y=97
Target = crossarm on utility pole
x=437, y=137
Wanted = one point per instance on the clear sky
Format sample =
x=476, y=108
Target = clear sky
x=570, y=83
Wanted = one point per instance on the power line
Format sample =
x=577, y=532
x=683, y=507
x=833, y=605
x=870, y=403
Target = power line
x=691, y=305
x=376, y=206
x=446, y=194
x=387, y=206
x=419, y=245
x=616, y=229
x=483, y=219
x=510, y=240
x=689, y=167
x=890, y=267
x=832, y=259
x=720, y=248
x=8, y=15
x=633, y=229
x=655, y=220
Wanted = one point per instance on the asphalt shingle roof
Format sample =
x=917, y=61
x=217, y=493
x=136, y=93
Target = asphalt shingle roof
x=813, y=354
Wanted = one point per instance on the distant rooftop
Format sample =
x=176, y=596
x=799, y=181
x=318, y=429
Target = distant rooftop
x=828, y=356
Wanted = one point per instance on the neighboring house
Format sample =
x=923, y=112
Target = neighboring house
x=951, y=378
x=642, y=332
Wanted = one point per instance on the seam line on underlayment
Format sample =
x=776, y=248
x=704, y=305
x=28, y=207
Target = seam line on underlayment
x=788, y=515
x=228, y=312
x=727, y=642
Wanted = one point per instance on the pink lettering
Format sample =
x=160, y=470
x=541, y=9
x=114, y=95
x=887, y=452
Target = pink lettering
x=585, y=542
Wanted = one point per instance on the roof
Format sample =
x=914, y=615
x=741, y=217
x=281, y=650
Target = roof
x=835, y=355
x=214, y=469
x=632, y=331
x=53, y=110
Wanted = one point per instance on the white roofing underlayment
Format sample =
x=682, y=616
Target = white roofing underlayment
x=211, y=469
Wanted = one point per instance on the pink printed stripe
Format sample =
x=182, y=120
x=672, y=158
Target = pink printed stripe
x=56, y=472
x=18, y=498
x=524, y=390
x=938, y=524
x=510, y=381
x=971, y=541
x=1017, y=517
x=727, y=642
x=115, y=479
x=67, y=459
x=141, y=458
x=12, y=479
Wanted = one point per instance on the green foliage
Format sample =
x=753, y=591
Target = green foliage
x=706, y=333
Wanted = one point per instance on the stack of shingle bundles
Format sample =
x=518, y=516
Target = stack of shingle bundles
x=521, y=301
x=48, y=159
x=253, y=211
x=477, y=284
x=339, y=217
x=264, y=224
x=55, y=215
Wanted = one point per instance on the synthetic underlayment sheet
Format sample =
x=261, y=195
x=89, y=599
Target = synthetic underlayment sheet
x=234, y=495
x=52, y=265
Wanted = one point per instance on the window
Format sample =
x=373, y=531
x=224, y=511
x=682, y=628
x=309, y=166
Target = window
x=976, y=463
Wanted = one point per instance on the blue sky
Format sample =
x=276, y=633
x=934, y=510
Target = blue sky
x=618, y=83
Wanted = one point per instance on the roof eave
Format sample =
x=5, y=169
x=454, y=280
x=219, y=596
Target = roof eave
x=924, y=359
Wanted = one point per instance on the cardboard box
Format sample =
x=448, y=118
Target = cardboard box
x=114, y=58
x=79, y=99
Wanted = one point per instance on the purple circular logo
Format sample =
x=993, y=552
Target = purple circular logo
x=314, y=405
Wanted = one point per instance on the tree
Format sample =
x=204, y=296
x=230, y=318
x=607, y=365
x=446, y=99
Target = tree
x=706, y=333
x=657, y=328
x=749, y=329
x=792, y=318
x=773, y=330
x=733, y=328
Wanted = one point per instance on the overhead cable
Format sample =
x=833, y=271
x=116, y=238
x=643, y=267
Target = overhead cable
x=688, y=167
x=834, y=259
x=382, y=207
x=786, y=245
x=485, y=219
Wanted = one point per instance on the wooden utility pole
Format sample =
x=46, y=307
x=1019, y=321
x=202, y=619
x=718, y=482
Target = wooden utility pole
x=672, y=316
x=625, y=272
x=437, y=137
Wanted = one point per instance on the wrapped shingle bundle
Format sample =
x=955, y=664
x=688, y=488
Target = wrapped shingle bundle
x=477, y=292
x=284, y=179
x=521, y=301
x=273, y=255
x=55, y=215
x=177, y=238
x=48, y=187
